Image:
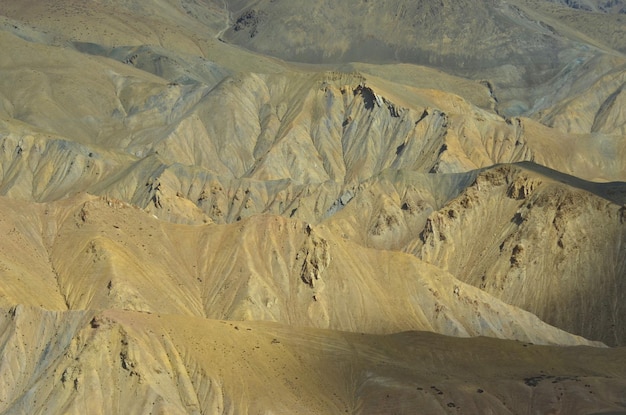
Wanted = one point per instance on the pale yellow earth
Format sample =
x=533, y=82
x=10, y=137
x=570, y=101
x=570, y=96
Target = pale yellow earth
x=285, y=207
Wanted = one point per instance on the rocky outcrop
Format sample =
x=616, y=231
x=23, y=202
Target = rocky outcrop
x=106, y=254
x=507, y=254
x=314, y=256
x=249, y=21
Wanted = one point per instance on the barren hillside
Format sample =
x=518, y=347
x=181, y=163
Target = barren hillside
x=237, y=207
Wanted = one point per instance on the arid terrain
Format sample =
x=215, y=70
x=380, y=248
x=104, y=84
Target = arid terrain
x=313, y=207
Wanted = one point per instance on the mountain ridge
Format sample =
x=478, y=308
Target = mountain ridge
x=287, y=207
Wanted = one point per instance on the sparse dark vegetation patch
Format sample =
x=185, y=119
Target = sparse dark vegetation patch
x=533, y=381
x=250, y=21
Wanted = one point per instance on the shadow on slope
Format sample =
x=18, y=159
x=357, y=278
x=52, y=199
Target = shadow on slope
x=102, y=361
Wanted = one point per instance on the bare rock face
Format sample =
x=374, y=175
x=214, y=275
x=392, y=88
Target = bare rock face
x=537, y=218
x=236, y=207
x=315, y=258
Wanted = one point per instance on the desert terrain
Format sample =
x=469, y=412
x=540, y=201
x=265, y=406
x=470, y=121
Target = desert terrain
x=290, y=207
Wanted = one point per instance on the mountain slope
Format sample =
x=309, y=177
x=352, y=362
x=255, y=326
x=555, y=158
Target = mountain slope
x=522, y=47
x=116, y=360
x=105, y=254
x=280, y=207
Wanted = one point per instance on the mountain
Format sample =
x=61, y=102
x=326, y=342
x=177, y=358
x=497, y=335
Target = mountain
x=235, y=207
x=525, y=49
x=121, y=361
